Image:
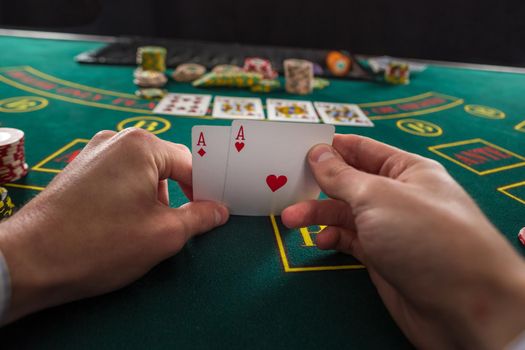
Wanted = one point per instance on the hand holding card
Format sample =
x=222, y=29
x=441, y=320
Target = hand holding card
x=255, y=167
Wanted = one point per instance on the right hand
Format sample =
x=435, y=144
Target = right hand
x=447, y=276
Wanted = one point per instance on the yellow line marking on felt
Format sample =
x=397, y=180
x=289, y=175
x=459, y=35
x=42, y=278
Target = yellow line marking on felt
x=485, y=112
x=25, y=187
x=23, y=102
x=399, y=100
x=79, y=86
x=434, y=149
x=421, y=112
x=38, y=167
x=167, y=125
x=520, y=127
x=286, y=264
x=71, y=100
x=428, y=129
x=504, y=189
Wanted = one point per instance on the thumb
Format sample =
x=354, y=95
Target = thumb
x=336, y=178
x=192, y=219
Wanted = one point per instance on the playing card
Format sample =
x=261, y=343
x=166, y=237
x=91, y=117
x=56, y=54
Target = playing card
x=209, y=149
x=237, y=108
x=342, y=114
x=267, y=169
x=291, y=111
x=183, y=104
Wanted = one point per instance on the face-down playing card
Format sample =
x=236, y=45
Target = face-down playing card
x=209, y=149
x=267, y=168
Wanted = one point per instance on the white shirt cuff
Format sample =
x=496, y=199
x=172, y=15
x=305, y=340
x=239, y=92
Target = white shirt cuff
x=518, y=343
x=5, y=288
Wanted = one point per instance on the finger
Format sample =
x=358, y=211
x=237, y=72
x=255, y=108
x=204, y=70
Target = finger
x=324, y=212
x=374, y=157
x=340, y=239
x=187, y=190
x=192, y=219
x=174, y=162
x=162, y=192
x=335, y=177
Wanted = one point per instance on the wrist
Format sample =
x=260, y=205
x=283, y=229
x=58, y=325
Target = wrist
x=31, y=287
x=495, y=315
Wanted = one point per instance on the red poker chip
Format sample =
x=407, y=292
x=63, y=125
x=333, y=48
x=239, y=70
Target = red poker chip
x=11, y=157
x=12, y=167
x=521, y=236
x=12, y=150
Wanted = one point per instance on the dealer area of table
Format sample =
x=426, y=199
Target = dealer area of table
x=252, y=283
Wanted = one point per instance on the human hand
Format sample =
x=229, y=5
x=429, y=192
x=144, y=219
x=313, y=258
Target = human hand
x=103, y=222
x=447, y=276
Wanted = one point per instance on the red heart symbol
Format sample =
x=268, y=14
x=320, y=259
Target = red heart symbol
x=239, y=146
x=276, y=182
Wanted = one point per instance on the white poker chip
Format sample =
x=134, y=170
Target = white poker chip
x=9, y=136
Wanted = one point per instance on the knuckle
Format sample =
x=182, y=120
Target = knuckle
x=133, y=133
x=103, y=135
x=434, y=164
x=182, y=148
x=364, y=189
x=339, y=173
x=134, y=138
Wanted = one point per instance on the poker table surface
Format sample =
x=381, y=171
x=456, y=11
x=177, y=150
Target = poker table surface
x=252, y=283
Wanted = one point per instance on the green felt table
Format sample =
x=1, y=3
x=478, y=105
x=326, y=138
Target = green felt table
x=252, y=283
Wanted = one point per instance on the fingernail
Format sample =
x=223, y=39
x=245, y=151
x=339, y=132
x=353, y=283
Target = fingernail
x=221, y=215
x=321, y=153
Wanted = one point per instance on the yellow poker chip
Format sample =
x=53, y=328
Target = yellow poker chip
x=151, y=93
x=6, y=205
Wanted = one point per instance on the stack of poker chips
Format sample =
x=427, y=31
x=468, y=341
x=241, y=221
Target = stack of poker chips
x=151, y=61
x=152, y=58
x=149, y=78
x=299, y=76
x=6, y=204
x=188, y=72
x=260, y=66
x=397, y=73
x=12, y=156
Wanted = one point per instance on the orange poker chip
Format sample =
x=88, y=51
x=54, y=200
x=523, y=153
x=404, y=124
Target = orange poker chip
x=338, y=63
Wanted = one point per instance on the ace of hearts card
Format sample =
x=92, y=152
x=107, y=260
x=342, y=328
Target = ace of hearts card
x=267, y=168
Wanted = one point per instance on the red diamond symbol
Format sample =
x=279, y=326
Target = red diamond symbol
x=201, y=152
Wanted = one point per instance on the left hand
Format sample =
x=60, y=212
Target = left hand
x=103, y=222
